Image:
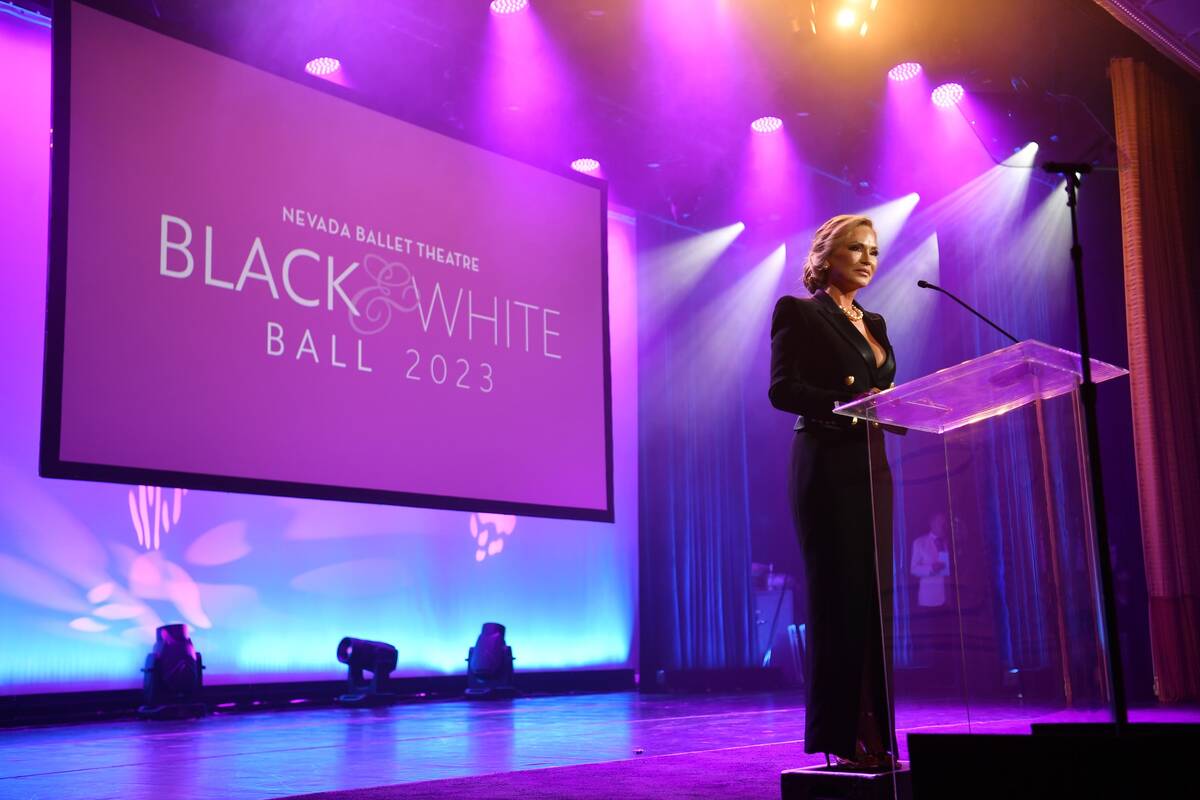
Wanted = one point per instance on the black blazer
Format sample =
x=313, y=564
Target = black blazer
x=819, y=360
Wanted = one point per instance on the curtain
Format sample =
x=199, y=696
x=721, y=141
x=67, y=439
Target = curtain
x=1156, y=143
x=696, y=597
x=1010, y=259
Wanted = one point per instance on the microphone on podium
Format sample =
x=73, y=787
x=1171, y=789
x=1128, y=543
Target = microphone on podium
x=927, y=285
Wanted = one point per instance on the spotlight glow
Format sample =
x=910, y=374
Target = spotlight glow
x=891, y=217
x=508, y=6
x=947, y=95
x=1023, y=156
x=727, y=350
x=585, y=165
x=674, y=269
x=325, y=65
x=904, y=72
x=766, y=124
x=845, y=18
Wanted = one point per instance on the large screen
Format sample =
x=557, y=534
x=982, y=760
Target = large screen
x=257, y=285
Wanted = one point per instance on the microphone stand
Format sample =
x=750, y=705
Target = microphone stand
x=1087, y=392
x=927, y=285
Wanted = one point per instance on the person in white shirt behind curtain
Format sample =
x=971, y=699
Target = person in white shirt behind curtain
x=930, y=563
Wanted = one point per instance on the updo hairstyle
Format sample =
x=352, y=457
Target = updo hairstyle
x=829, y=237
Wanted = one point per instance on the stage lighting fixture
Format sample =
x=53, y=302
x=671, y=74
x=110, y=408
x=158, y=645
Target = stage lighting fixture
x=173, y=676
x=363, y=655
x=845, y=15
x=766, y=124
x=585, y=165
x=508, y=6
x=490, y=664
x=947, y=95
x=325, y=65
x=904, y=72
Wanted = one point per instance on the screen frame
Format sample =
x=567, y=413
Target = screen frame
x=50, y=462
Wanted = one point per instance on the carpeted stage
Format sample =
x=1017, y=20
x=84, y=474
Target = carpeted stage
x=589, y=746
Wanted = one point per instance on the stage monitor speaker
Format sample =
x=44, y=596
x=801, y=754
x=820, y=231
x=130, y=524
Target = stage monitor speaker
x=1057, y=761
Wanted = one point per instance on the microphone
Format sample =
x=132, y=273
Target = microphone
x=927, y=285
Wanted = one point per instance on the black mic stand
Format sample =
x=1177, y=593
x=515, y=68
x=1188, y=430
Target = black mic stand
x=927, y=285
x=1087, y=392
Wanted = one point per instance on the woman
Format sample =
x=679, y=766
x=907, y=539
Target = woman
x=827, y=350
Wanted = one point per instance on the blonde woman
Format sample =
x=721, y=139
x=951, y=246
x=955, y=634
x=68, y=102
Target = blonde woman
x=827, y=349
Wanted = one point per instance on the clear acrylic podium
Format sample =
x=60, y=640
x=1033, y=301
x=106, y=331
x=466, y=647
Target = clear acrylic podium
x=996, y=613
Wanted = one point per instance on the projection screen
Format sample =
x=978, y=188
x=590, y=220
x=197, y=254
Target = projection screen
x=260, y=285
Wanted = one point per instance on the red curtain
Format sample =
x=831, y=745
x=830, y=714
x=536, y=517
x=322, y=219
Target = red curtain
x=1156, y=159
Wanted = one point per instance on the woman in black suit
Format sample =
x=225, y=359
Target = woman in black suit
x=827, y=350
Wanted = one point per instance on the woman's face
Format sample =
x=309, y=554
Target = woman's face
x=852, y=263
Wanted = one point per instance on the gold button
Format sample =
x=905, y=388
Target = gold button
x=854, y=420
x=849, y=380
x=893, y=386
x=876, y=424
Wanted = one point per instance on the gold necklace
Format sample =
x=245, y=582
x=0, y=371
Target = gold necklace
x=852, y=312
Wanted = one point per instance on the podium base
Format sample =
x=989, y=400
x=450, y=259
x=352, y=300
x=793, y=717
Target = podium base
x=829, y=783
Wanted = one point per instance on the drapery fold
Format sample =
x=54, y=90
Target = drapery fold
x=696, y=598
x=1160, y=211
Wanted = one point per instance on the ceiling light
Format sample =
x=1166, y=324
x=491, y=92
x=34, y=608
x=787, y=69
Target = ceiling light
x=766, y=124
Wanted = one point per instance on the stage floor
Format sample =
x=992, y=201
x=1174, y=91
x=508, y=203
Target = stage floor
x=272, y=755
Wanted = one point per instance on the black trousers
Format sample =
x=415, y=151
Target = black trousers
x=841, y=496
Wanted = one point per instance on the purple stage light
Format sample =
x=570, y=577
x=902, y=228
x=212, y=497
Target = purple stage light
x=585, y=165
x=508, y=6
x=766, y=124
x=322, y=66
x=905, y=72
x=947, y=95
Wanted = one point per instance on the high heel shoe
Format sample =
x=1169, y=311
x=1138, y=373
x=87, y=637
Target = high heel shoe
x=863, y=761
x=882, y=761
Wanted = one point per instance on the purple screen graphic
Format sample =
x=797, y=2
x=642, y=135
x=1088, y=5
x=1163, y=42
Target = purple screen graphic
x=267, y=282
